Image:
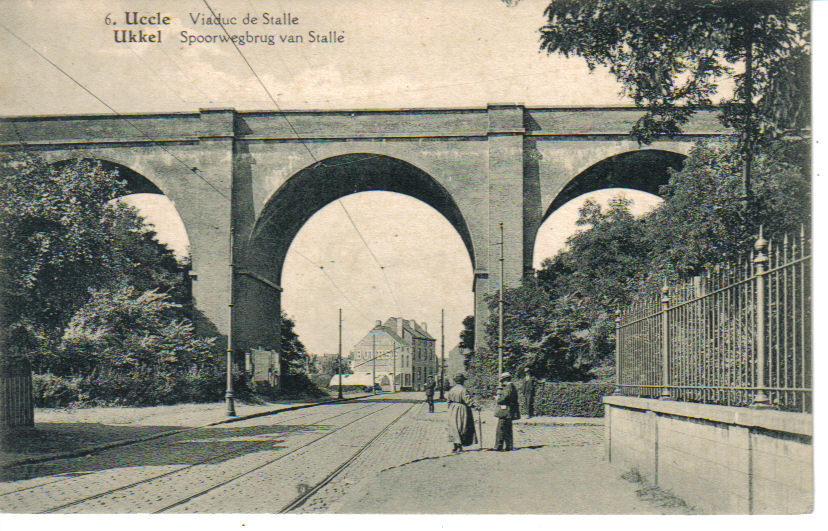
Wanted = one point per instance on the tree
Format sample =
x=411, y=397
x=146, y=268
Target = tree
x=699, y=225
x=293, y=354
x=133, y=349
x=560, y=324
x=90, y=300
x=62, y=235
x=329, y=364
x=544, y=333
x=674, y=56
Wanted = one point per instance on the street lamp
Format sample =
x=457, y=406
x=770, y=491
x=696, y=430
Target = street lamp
x=228, y=395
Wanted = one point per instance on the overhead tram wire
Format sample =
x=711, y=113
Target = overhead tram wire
x=189, y=168
x=305, y=145
x=376, y=260
x=143, y=133
x=334, y=284
x=174, y=63
x=261, y=83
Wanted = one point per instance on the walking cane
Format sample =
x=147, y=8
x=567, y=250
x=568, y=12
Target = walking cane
x=480, y=427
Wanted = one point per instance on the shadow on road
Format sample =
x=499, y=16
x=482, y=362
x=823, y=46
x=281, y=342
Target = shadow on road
x=219, y=442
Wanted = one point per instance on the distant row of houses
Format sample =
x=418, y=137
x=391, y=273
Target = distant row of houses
x=401, y=353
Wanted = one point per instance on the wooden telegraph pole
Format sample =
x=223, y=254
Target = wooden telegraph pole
x=500, y=311
x=394, y=370
x=339, y=365
x=373, y=363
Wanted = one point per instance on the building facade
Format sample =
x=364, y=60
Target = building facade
x=399, y=351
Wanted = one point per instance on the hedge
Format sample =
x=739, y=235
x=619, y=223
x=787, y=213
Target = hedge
x=569, y=399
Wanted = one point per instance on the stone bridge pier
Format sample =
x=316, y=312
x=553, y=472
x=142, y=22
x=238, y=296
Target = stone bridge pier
x=261, y=175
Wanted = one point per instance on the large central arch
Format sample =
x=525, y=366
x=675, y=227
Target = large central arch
x=262, y=255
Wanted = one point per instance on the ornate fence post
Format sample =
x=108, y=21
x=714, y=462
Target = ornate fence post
x=760, y=399
x=617, y=352
x=665, y=342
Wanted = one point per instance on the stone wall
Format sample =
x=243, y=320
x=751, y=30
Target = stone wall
x=720, y=459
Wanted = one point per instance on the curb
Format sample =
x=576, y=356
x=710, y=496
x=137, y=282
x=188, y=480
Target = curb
x=562, y=424
x=125, y=442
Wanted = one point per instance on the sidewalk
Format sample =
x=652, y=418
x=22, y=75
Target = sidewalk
x=545, y=480
x=557, y=468
x=62, y=432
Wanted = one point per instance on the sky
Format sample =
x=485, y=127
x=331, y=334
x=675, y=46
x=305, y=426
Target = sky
x=462, y=53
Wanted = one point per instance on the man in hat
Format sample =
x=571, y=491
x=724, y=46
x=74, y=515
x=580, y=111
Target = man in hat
x=429, y=393
x=507, y=411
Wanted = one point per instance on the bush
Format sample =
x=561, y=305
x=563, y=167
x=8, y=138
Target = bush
x=481, y=370
x=571, y=399
x=300, y=385
x=204, y=384
x=59, y=391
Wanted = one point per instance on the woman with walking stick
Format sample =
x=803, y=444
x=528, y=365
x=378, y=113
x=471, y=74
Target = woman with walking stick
x=461, y=430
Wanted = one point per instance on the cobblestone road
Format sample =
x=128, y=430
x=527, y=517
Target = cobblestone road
x=258, y=465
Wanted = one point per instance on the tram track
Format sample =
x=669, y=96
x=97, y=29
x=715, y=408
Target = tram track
x=295, y=450
x=207, y=460
x=213, y=457
x=145, y=494
x=312, y=491
x=239, y=450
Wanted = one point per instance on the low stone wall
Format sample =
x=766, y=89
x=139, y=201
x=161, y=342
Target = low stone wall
x=722, y=460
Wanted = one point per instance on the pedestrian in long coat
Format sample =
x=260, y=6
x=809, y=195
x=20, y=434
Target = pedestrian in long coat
x=528, y=394
x=460, y=417
x=507, y=411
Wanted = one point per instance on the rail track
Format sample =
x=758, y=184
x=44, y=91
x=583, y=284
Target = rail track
x=217, y=457
x=314, y=489
x=213, y=457
x=304, y=497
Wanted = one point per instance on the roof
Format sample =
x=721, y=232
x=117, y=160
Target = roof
x=408, y=324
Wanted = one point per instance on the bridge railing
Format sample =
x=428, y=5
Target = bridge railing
x=738, y=335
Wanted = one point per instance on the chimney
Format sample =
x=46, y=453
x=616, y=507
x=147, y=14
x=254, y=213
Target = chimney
x=425, y=326
x=377, y=323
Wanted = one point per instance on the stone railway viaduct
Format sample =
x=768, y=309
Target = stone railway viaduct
x=262, y=175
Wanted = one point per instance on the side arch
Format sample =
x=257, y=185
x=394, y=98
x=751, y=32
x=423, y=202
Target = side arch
x=645, y=170
x=261, y=253
x=135, y=181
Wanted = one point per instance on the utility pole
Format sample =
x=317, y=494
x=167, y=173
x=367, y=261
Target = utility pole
x=442, y=350
x=394, y=371
x=374, y=363
x=500, y=311
x=228, y=395
x=339, y=367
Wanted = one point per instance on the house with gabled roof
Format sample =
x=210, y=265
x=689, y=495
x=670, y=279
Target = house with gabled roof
x=399, y=351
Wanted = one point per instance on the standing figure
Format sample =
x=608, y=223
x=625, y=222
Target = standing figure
x=528, y=394
x=507, y=411
x=460, y=417
x=429, y=393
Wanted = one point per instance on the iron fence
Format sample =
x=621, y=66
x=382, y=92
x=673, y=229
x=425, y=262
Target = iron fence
x=738, y=335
